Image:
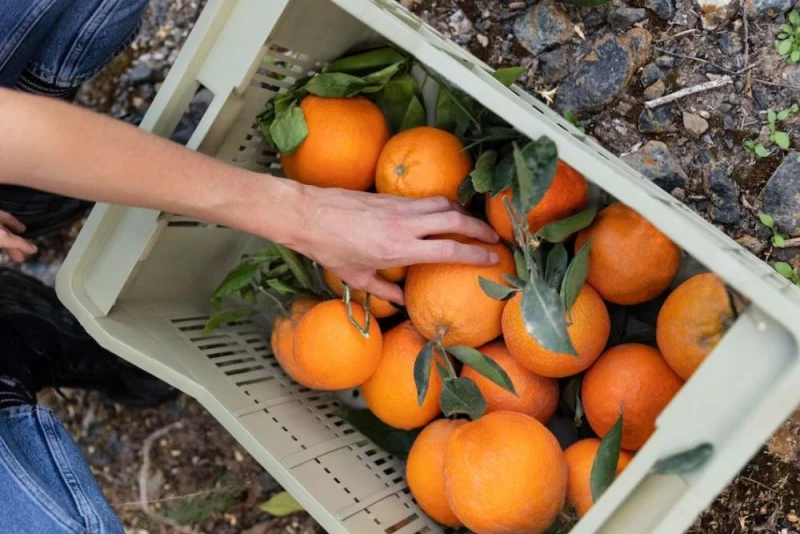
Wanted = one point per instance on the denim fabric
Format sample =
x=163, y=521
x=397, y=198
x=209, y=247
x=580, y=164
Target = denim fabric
x=64, y=42
x=46, y=485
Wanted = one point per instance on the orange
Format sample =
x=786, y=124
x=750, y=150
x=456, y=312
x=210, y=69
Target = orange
x=589, y=331
x=391, y=392
x=282, y=339
x=580, y=459
x=378, y=307
x=691, y=322
x=345, y=139
x=567, y=195
x=425, y=470
x=636, y=378
x=423, y=162
x=446, y=299
x=536, y=396
x=505, y=473
x=330, y=352
x=630, y=261
x=393, y=274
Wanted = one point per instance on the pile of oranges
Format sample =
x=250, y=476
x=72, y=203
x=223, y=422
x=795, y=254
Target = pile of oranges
x=505, y=471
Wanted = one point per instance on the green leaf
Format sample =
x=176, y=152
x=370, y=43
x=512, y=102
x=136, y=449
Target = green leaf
x=422, y=371
x=508, y=75
x=571, y=399
x=239, y=278
x=575, y=276
x=781, y=139
x=684, y=462
x=544, y=317
x=794, y=17
x=372, y=59
x=392, y=440
x=761, y=151
x=443, y=372
x=787, y=28
x=445, y=117
x=604, y=468
x=503, y=175
x=227, y=316
x=483, y=365
x=296, y=265
x=514, y=281
x=781, y=36
x=461, y=395
x=267, y=254
x=280, y=505
x=784, y=269
x=784, y=47
x=415, y=115
x=249, y=295
x=558, y=231
x=523, y=185
x=556, y=265
x=281, y=287
x=380, y=78
x=795, y=57
x=778, y=240
x=483, y=173
x=766, y=220
x=771, y=116
x=519, y=261
x=783, y=115
x=466, y=191
x=496, y=291
x=493, y=133
x=539, y=161
x=335, y=85
x=397, y=94
x=289, y=130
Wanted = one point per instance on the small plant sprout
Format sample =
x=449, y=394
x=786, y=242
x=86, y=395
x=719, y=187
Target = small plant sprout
x=756, y=148
x=788, y=41
x=780, y=138
x=778, y=239
x=788, y=272
x=572, y=119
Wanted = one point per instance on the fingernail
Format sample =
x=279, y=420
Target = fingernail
x=493, y=257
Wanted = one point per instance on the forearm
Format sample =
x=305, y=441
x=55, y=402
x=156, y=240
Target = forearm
x=52, y=146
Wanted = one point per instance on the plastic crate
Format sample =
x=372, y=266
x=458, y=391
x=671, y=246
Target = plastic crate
x=139, y=282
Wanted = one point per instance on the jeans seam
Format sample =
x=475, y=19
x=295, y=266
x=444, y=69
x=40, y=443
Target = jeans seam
x=23, y=30
x=47, y=505
x=92, y=521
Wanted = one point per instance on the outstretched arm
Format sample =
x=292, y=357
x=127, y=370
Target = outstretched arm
x=56, y=147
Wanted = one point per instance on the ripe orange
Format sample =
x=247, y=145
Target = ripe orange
x=393, y=274
x=580, y=459
x=588, y=332
x=422, y=162
x=567, y=195
x=691, y=322
x=447, y=299
x=282, y=339
x=378, y=307
x=345, y=139
x=425, y=470
x=391, y=392
x=536, y=396
x=630, y=260
x=330, y=353
x=635, y=377
x=505, y=473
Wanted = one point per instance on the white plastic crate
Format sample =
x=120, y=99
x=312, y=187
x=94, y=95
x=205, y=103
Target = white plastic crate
x=139, y=282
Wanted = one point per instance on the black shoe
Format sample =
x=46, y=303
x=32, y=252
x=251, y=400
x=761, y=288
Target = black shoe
x=41, y=213
x=43, y=345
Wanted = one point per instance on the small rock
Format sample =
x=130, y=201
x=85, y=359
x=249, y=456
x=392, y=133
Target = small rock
x=656, y=90
x=724, y=195
x=767, y=8
x=556, y=64
x=716, y=13
x=656, y=163
x=724, y=108
x=604, y=72
x=779, y=197
x=764, y=136
x=542, y=27
x=705, y=114
x=792, y=518
x=753, y=244
x=664, y=9
x=515, y=5
x=594, y=19
x=679, y=193
x=694, y=124
x=730, y=43
x=267, y=483
x=483, y=40
x=651, y=73
x=460, y=23
x=140, y=74
x=728, y=123
x=791, y=73
x=623, y=18
x=665, y=62
x=656, y=120
x=761, y=98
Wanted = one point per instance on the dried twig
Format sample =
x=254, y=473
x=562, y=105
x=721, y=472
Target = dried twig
x=785, y=86
x=748, y=80
x=174, y=497
x=686, y=91
x=791, y=243
x=679, y=34
x=693, y=58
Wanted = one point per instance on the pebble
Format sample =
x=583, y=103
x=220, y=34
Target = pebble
x=791, y=73
x=594, y=19
x=767, y=8
x=665, y=62
x=753, y=244
x=695, y=124
x=728, y=123
x=460, y=23
x=656, y=163
x=779, y=197
x=556, y=64
x=679, y=193
x=656, y=90
x=651, y=73
x=483, y=40
x=141, y=73
x=543, y=26
x=715, y=14
x=730, y=43
x=664, y=9
x=656, y=120
x=705, y=114
x=723, y=194
x=623, y=18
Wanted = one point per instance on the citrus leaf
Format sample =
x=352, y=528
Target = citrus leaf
x=289, y=130
x=494, y=133
x=519, y=260
x=445, y=117
x=281, y=287
x=415, y=115
x=392, y=440
x=784, y=269
x=784, y=47
x=461, y=395
x=760, y=150
x=466, y=191
x=443, y=372
x=778, y=240
x=484, y=365
x=558, y=231
x=684, y=462
x=782, y=138
x=269, y=253
x=372, y=59
x=544, y=317
x=535, y=167
x=508, y=75
x=335, y=85
x=766, y=220
x=249, y=295
x=575, y=276
x=238, y=279
x=771, y=116
x=571, y=399
x=280, y=505
x=397, y=94
x=380, y=78
x=604, y=467
x=296, y=265
x=514, y=281
x=422, y=371
x=523, y=184
x=556, y=265
x=483, y=173
x=494, y=290
x=225, y=317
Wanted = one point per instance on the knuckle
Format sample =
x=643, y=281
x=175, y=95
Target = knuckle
x=455, y=220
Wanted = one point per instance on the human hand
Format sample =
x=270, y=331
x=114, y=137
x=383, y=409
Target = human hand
x=16, y=246
x=353, y=234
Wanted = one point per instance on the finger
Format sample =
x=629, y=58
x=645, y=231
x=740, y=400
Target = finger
x=16, y=255
x=11, y=222
x=11, y=241
x=385, y=290
x=425, y=206
x=453, y=222
x=448, y=251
